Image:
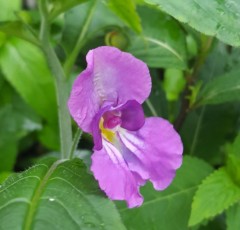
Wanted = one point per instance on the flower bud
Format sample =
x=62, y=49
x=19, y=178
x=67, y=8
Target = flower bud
x=117, y=38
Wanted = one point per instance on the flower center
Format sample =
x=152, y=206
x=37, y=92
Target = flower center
x=107, y=133
x=109, y=124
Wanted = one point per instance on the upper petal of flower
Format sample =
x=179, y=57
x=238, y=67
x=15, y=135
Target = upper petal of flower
x=111, y=75
x=158, y=146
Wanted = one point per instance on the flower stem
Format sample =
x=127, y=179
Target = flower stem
x=75, y=142
x=60, y=84
x=191, y=79
x=80, y=42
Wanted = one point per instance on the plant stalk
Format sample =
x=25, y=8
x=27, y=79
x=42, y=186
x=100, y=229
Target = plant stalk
x=60, y=82
x=76, y=140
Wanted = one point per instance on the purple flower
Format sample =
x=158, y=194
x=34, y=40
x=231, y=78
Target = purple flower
x=129, y=149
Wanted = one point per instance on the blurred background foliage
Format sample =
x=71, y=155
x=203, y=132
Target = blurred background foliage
x=192, y=51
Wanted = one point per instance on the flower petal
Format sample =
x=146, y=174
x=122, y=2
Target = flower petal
x=111, y=75
x=114, y=177
x=84, y=102
x=95, y=130
x=132, y=116
x=158, y=146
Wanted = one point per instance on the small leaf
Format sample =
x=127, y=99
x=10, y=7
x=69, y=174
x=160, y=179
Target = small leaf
x=222, y=89
x=60, y=6
x=56, y=195
x=173, y=83
x=217, y=193
x=160, y=208
x=233, y=160
x=236, y=146
x=233, y=220
x=127, y=12
x=214, y=18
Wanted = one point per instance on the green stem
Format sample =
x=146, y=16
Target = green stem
x=151, y=107
x=59, y=76
x=76, y=140
x=80, y=42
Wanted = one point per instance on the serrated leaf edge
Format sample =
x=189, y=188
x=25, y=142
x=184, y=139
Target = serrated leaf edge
x=218, y=213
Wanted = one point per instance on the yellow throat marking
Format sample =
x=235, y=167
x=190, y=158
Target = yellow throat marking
x=108, y=134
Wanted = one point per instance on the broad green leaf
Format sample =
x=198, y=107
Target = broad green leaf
x=206, y=130
x=162, y=43
x=25, y=68
x=18, y=29
x=55, y=195
x=60, y=6
x=4, y=175
x=232, y=216
x=8, y=8
x=218, y=18
x=216, y=193
x=126, y=10
x=169, y=209
x=222, y=89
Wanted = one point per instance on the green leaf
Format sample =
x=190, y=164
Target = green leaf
x=30, y=76
x=55, y=195
x=16, y=121
x=217, y=193
x=162, y=44
x=49, y=137
x=8, y=8
x=215, y=18
x=232, y=216
x=236, y=146
x=126, y=10
x=8, y=153
x=4, y=175
x=170, y=208
x=18, y=29
x=222, y=89
x=206, y=130
x=75, y=21
x=173, y=83
x=233, y=160
x=60, y=6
